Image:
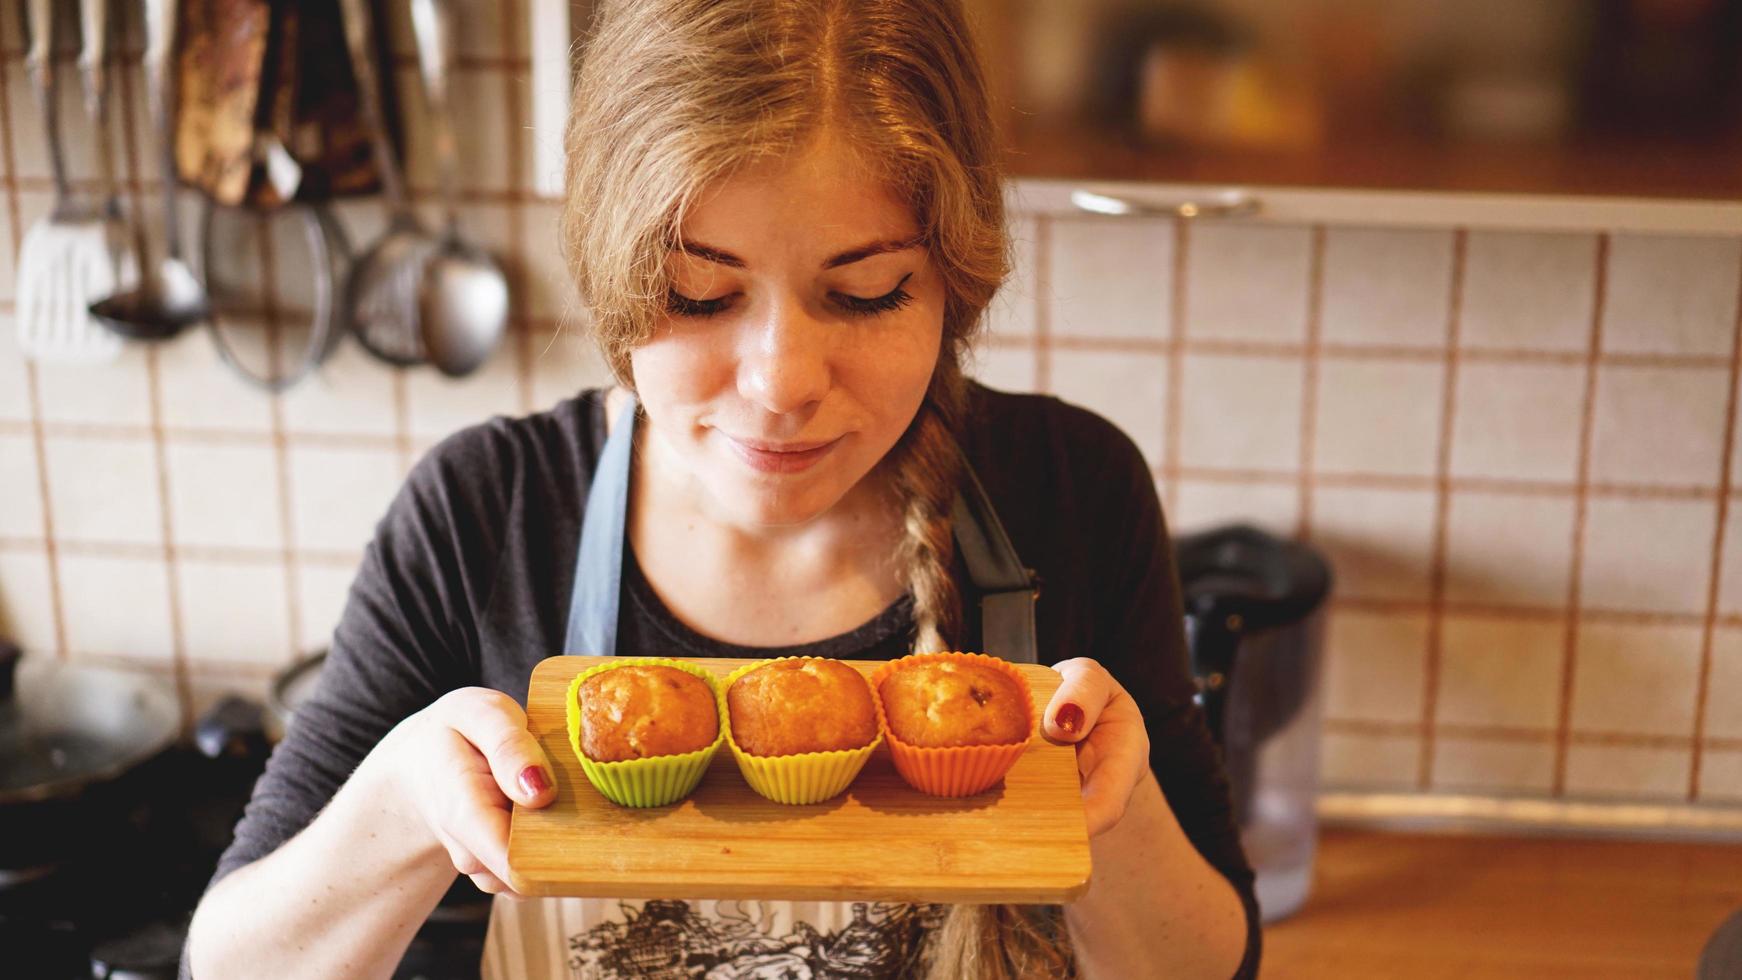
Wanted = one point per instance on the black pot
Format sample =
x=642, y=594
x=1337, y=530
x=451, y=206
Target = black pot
x=69, y=736
x=290, y=688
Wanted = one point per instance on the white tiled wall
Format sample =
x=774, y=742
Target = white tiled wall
x=1512, y=446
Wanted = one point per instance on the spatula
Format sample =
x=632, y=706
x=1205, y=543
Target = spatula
x=67, y=259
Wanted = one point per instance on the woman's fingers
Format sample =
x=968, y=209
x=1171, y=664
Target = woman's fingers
x=475, y=828
x=479, y=760
x=1111, y=772
x=1092, y=710
x=496, y=726
x=1081, y=696
x=488, y=883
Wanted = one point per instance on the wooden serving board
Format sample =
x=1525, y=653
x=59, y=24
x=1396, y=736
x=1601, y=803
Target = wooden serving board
x=1023, y=841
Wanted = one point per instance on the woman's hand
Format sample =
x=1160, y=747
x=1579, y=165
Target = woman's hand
x=1091, y=710
x=457, y=767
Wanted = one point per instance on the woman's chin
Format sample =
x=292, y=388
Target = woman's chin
x=756, y=501
x=777, y=510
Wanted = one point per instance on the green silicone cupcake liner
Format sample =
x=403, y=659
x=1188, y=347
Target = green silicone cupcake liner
x=658, y=781
x=808, y=777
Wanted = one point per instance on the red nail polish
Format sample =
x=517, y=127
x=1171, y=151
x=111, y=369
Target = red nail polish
x=534, y=780
x=1069, y=718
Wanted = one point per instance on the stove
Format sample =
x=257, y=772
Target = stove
x=120, y=912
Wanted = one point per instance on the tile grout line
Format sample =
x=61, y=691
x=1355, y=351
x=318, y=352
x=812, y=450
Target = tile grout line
x=180, y=669
x=1309, y=403
x=465, y=194
x=460, y=63
x=1436, y=614
x=1282, y=350
x=516, y=85
x=1708, y=630
x=1581, y=512
x=171, y=558
x=39, y=439
x=1474, y=484
x=1518, y=734
x=1344, y=350
x=364, y=441
x=1174, y=407
x=248, y=555
x=280, y=444
x=400, y=385
x=224, y=554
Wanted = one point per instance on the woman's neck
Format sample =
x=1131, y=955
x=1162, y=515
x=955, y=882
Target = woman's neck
x=759, y=585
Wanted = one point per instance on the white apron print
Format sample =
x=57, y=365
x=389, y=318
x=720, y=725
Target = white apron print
x=673, y=939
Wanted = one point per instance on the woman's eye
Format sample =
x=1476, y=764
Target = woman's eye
x=895, y=299
x=677, y=304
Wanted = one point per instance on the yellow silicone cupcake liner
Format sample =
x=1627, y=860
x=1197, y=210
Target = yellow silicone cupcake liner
x=808, y=777
x=657, y=781
x=955, y=770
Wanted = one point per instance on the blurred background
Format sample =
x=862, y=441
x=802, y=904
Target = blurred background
x=1469, y=334
x=1623, y=97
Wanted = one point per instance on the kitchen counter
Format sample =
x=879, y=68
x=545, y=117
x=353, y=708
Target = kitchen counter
x=1419, y=906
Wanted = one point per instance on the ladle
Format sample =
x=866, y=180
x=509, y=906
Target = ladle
x=381, y=291
x=168, y=296
x=463, y=301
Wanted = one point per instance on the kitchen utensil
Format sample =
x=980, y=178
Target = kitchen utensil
x=881, y=840
x=224, y=54
x=67, y=259
x=168, y=297
x=1254, y=618
x=256, y=74
x=94, y=74
x=329, y=254
x=463, y=300
x=381, y=294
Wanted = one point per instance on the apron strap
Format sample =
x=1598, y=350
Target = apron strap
x=1006, y=587
x=593, y=605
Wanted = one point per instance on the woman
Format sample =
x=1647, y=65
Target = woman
x=785, y=221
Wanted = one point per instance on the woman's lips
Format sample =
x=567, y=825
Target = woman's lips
x=774, y=457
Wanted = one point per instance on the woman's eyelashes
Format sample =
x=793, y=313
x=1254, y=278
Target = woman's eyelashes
x=678, y=304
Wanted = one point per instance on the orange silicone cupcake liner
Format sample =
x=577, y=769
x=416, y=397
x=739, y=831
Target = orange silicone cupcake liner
x=808, y=777
x=954, y=770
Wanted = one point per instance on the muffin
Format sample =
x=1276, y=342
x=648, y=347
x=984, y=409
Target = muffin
x=800, y=727
x=644, y=728
x=954, y=702
x=645, y=710
x=797, y=705
x=956, y=722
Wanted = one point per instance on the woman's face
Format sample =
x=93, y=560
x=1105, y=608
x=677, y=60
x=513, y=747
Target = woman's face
x=798, y=342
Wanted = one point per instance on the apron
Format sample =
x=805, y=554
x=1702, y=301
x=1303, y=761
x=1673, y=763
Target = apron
x=679, y=939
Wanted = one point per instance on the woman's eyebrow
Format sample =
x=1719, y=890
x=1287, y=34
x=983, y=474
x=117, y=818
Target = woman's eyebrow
x=848, y=257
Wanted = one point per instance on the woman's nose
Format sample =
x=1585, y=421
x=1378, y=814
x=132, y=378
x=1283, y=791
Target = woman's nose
x=783, y=363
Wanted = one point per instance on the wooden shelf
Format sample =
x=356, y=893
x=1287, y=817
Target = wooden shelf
x=1609, y=170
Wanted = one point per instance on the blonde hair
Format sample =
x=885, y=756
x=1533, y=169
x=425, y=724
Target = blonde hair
x=673, y=94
